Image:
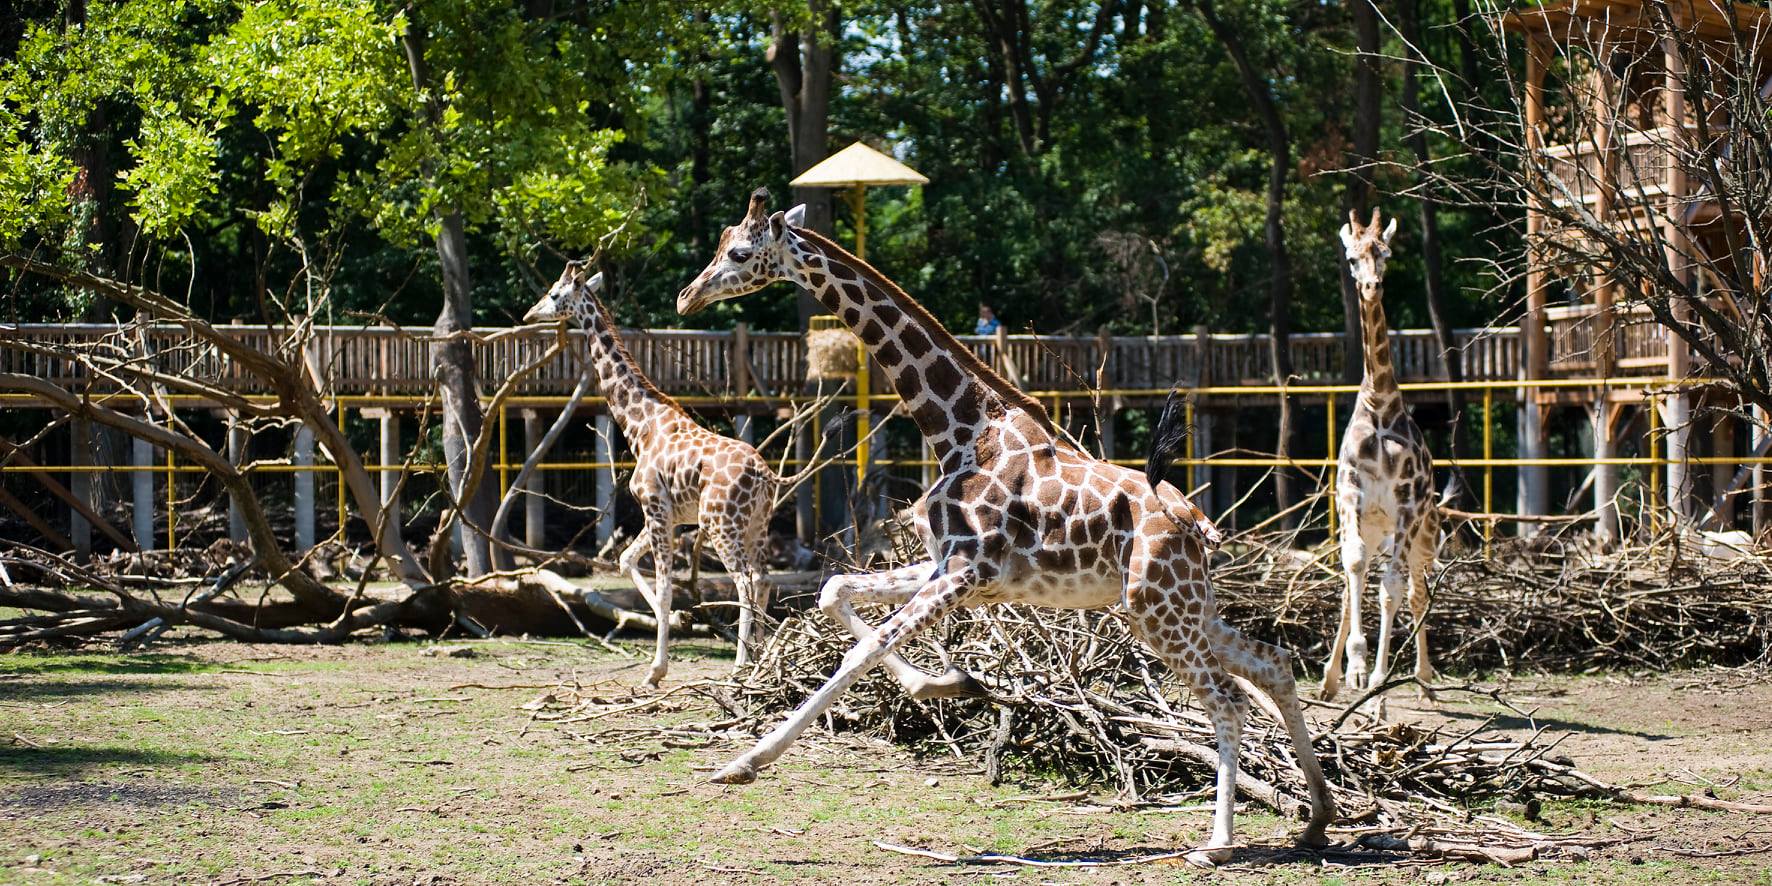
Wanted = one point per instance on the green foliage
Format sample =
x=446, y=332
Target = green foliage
x=285, y=137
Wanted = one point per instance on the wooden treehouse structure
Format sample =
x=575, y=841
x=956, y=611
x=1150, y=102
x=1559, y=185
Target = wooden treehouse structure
x=1610, y=125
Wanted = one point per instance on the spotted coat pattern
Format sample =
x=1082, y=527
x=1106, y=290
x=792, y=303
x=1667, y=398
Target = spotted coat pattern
x=1017, y=514
x=684, y=474
x=1384, y=488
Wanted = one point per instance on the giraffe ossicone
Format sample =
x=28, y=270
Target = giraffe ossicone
x=1018, y=513
x=684, y=474
x=1384, y=489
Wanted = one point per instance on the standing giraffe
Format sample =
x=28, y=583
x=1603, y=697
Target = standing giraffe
x=1384, y=486
x=1018, y=514
x=683, y=474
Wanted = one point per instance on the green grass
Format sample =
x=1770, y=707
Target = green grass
x=366, y=764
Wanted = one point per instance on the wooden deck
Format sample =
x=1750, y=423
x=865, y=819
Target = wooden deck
x=386, y=361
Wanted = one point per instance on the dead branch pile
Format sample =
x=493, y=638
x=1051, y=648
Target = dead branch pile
x=1550, y=603
x=1074, y=695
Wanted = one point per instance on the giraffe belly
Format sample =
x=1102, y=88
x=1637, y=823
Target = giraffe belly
x=1059, y=590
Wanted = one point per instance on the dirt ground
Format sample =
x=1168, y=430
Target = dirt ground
x=392, y=763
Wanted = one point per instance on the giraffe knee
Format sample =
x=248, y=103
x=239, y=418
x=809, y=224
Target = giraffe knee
x=832, y=595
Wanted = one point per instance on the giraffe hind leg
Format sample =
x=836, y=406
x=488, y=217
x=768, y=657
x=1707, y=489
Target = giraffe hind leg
x=895, y=587
x=1269, y=669
x=928, y=605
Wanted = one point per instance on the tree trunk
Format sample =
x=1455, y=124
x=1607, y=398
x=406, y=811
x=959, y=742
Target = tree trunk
x=805, y=66
x=1367, y=119
x=452, y=355
x=1409, y=13
x=1279, y=145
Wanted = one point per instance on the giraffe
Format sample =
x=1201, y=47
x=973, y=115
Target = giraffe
x=1018, y=514
x=1384, y=487
x=683, y=474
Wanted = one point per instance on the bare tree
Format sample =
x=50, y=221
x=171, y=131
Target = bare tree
x=1635, y=157
x=1142, y=272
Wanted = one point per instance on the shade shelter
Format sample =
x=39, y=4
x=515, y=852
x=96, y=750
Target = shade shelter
x=855, y=169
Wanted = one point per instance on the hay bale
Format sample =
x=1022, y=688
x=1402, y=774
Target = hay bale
x=830, y=354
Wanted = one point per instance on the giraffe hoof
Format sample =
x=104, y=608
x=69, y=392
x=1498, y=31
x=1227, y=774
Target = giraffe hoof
x=1313, y=837
x=953, y=684
x=1209, y=859
x=736, y=772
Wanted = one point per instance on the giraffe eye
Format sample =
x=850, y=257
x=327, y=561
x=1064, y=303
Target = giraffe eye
x=739, y=254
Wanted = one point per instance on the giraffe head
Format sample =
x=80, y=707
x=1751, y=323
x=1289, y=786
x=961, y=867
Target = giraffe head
x=569, y=297
x=1367, y=247
x=750, y=257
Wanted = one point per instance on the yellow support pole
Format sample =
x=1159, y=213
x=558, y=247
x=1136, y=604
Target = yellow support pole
x=1655, y=464
x=1329, y=411
x=1488, y=469
x=864, y=416
x=171, y=500
x=504, y=454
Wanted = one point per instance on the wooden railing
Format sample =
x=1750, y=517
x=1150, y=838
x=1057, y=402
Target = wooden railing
x=382, y=360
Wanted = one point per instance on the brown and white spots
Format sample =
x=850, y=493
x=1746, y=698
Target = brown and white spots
x=683, y=473
x=1019, y=514
x=1384, y=480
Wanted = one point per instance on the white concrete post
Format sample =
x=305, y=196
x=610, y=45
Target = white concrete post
x=1606, y=528
x=388, y=456
x=534, y=502
x=236, y=457
x=304, y=489
x=744, y=426
x=141, y=483
x=605, y=496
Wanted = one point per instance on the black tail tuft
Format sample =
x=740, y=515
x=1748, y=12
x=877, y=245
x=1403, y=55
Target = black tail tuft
x=1169, y=439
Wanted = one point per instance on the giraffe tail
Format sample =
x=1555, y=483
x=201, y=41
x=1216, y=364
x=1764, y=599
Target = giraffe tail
x=1167, y=443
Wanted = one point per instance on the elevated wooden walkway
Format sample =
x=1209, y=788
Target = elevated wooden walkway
x=371, y=361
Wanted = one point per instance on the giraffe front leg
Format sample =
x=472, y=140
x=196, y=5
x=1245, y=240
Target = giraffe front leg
x=895, y=587
x=928, y=605
x=1390, y=600
x=1418, y=605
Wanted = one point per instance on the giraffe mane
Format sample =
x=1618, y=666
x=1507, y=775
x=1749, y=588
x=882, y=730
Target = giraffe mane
x=938, y=334
x=626, y=359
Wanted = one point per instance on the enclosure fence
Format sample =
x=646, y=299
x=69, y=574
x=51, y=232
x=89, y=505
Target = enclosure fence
x=1652, y=455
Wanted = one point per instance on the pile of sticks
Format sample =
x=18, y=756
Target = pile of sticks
x=1076, y=696
x=1549, y=603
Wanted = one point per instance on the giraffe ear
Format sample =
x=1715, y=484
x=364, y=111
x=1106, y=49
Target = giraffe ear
x=796, y=217
x=595, y=284
x=1347, y=237
x=1389, y=230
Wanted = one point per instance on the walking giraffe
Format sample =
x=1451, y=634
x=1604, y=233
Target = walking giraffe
x=1018, y=514
x=1384, y=487
x=684, y=474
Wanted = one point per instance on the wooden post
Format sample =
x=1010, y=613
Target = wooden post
x=1679, y=360
x=237, y=458
x=1534, y=493
x=535, y=503
x=80, y=481
x=141, y=485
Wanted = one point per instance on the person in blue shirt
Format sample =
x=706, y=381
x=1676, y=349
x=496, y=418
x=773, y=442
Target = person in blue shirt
x=987, y=321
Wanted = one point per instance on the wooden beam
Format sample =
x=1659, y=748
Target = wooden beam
x=56, y=540
x=10, y=450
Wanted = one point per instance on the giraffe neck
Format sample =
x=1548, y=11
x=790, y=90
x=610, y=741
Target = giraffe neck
x=949, y=392
x=639, y=407
x=1380, y=379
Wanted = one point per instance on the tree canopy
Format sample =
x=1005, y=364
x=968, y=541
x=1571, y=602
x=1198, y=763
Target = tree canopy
x=251, y=152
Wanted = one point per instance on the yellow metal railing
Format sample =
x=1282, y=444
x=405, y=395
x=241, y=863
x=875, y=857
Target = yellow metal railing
x=1650, y=388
